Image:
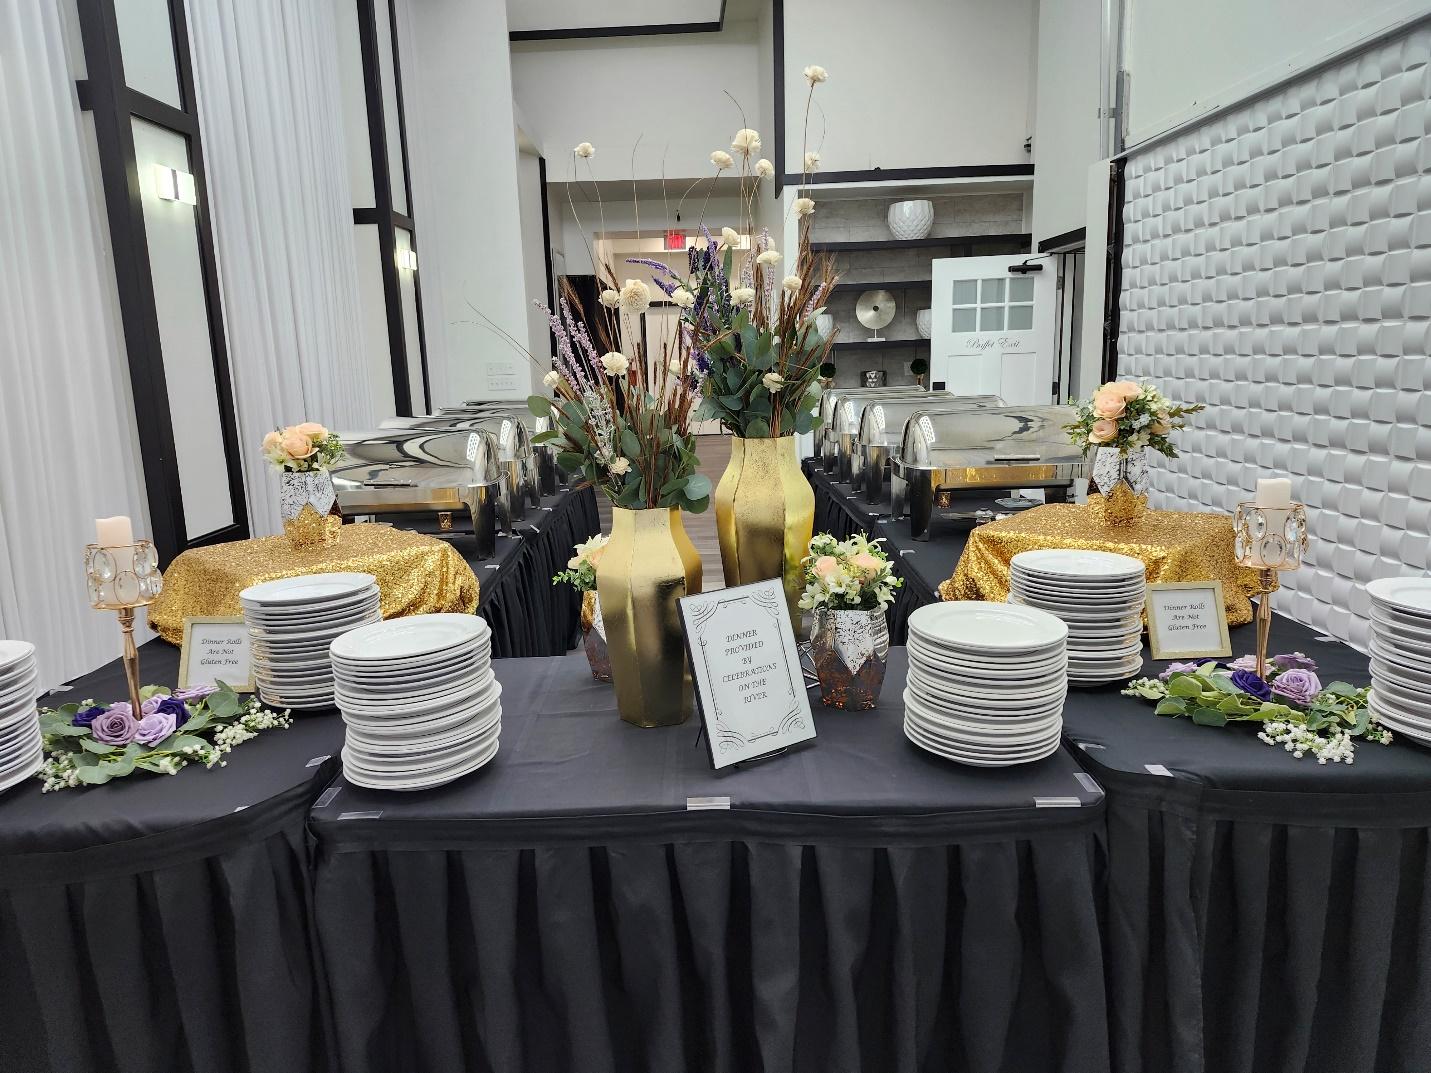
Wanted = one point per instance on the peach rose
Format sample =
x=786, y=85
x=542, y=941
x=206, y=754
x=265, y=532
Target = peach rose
x=272, y=441
x=313, y=430
x=866, y=564
x=296, y=445
x=826, y=565
x=1108, y=403
x=1124, y=389
x=1103, y=431
x=1162, y=424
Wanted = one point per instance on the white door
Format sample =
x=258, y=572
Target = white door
x=994, y=330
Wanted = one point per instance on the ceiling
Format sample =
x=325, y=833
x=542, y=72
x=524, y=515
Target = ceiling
x=538, y=19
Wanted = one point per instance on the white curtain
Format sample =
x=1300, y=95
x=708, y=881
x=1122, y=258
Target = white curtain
x=68, y=448
x=270, y=112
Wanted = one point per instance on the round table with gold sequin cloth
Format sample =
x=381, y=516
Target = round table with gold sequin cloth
x=1175, y=545
x=416, y=574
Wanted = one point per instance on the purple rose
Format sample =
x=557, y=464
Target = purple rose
x=1244, y=663
x=1294, y=661
x=85, y=716
x=114, y=727
x=1178, y=668
x=1249, y=683
x=1297, y=685
x=193, y=692
x=154, y=728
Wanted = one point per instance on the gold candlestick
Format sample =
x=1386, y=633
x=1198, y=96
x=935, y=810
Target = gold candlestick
x=123, y=578
x=1268, y=540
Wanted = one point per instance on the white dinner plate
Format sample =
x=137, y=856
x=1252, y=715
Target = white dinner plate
x=1391, y=624
x=369, y=597
x=1078, y=563
x=1408, y=594
x=478, y=726
x=22, y=771
x=476, y=656
x=1399, y=652
x=417, y=635
x=975, y=626
x=380, y=689
x=929, y=745
x=1017, y=692
x=1403, y=673
x=435, y=723
x=1072, y=593
x=1014, y=665
x=307, y=588
x=410, y=704
x=976, y=725
x=13, y=653
x=481, y=760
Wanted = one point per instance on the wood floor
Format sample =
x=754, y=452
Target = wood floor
x=714, y=453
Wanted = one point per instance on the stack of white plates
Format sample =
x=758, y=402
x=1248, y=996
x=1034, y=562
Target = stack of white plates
x=986, y=682
x=421, y=704
x=1099, y=595
x=293, y=621
x=1401, y=655
x=20, y=751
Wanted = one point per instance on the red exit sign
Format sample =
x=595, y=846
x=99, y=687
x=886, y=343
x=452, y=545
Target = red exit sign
x=675, y=240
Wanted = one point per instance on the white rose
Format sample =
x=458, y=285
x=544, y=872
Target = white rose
x=730, y=237
x=619, y=467
x=815, y=73
x=769, y=257
x=746, y=141
x=674, y=367
x=791, y=283
x=683, y=298
x=551, y=379
x=742, y=296
x=635, y=296
x=585, y=150
x=773, y=382
x=610, y=298
x=722, y=160
x=812, y=160
x=615, y=363
x=804, y=206
x=764, y=168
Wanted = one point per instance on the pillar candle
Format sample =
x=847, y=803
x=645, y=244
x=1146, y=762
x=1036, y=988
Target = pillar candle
x=114, y=532
x=1274, y=498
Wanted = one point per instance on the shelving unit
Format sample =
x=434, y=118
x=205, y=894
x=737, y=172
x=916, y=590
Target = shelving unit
x=882, y=344
x=887, y=285
x=971, y=242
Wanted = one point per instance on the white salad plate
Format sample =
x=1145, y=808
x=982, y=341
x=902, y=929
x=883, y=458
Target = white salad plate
x=979, y=627
x=1076, y=562
x=1411, y=595
x=417, y=635
x=306, y=589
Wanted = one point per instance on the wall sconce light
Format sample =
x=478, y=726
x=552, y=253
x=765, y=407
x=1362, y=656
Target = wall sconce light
x=174, y=185
x=406, y=259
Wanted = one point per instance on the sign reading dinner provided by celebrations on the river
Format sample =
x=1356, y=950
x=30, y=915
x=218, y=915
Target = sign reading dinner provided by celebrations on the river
x=748, y=680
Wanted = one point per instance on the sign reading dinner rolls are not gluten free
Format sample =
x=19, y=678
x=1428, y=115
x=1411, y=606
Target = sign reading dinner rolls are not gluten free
x=1187, y=620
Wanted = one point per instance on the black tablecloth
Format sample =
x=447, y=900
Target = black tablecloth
x=529, y=615
x=1267, y=914
x=922, y=564
x=164, y=922
x=859, y=905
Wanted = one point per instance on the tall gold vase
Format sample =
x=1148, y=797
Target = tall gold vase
x=649, y=564
x=765, y=515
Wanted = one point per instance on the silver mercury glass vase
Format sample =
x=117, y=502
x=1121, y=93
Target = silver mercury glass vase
x=850, y=650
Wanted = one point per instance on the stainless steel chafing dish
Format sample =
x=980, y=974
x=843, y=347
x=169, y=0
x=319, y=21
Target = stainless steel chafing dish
x=541, y=476
x=882, y=427
x=383, y=473
x=947, y=459
x=514, y=451
x=824, y=440
x=845, y=427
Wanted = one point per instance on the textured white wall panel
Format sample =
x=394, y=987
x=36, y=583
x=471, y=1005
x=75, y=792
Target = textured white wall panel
x=1277, y=266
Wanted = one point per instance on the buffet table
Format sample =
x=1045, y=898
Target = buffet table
x=164, y=922
x=598, y=899
x=1266, y=914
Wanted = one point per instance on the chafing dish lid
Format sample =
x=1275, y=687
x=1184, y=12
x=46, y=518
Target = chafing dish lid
x=1000, y=436
x=883, y=419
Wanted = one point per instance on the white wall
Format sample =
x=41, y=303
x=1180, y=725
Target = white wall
x=921, y=83
x=574, y=233
x=1066, y=123
x=534, y=264
x=1187, y=59
x=665, y=90
x=457, y=85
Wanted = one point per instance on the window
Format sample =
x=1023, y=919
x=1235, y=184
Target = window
x=998, y=304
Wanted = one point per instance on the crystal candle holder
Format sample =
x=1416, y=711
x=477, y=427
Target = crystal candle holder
x=122, y=578
x=1268, y=540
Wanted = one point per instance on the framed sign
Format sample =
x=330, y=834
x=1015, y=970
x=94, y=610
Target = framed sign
x=1187, y=620
x=214, y=650
x=748, y=681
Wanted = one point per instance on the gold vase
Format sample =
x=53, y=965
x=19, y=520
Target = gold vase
x=649, y=564
x=765, y=515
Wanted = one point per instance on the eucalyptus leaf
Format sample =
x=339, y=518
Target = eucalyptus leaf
x=539, y=405
x=757, y=428
x=698, y=486
x=97, y=747
x=1171, y=706
x=1208, y=717
x=1185, y=686
x=95, y=776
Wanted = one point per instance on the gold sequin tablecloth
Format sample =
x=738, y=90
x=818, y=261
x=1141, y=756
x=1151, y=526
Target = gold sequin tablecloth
x=1175, y=545
x=416, y=574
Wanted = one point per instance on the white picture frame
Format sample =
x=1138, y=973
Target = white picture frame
x=217, y=648
x=745, y=667
x=1187, y=620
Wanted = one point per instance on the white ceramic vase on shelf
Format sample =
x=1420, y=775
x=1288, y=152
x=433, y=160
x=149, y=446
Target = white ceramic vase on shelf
x=923, y=321
x=911, y=219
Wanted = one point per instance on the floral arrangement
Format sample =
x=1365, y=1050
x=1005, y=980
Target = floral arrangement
x=848, y=575
x=1129, y=416
x=1295, y=709
x=304, y=448
x=580, y=572
x=90, y=744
